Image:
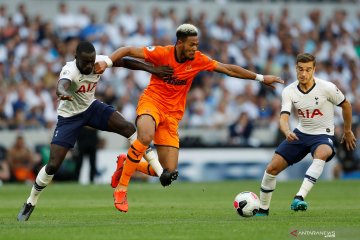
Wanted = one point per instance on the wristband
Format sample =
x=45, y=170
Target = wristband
x=108, y=61
x=259, y=77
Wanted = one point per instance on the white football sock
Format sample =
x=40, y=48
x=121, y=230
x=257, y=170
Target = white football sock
x=153, y=160
x=149, y=156
x=311, y=175
x=132, y=138
x=268, y=185
x=42, y=180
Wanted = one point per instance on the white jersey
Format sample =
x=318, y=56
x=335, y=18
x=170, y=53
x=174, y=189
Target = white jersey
x=82, y=89
x=315, y=108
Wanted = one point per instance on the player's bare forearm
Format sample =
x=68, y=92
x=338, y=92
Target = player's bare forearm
x=235, y=71
x=115, y=58
x=284, y=124
x=348, y=137
x=347, y=115
x=133, y=64
x=285, y=128
x=162, y=72
x=126, y=51
x=239, y=72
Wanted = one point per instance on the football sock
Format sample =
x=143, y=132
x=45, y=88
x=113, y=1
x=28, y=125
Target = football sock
x=132, y=138
x=311, y=175
x=268, y=185
x=135, y=153
x=149, y=156
x=153, y=160
x=42, y=180
x=146, y=168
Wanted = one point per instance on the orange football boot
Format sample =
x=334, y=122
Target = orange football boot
x=115, y=178
x=120, y=201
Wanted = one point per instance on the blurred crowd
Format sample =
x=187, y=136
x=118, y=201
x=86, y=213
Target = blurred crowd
x=32, y=52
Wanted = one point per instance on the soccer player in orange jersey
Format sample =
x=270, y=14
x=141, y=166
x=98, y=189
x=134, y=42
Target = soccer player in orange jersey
x=162, y=104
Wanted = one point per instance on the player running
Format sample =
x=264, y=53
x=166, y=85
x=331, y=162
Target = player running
x=161, y=106
x=78, y=107
x=314, y=100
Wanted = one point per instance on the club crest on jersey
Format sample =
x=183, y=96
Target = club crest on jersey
x=316, y=100
x=308, y=114
x=86, y=88
x=150, y=48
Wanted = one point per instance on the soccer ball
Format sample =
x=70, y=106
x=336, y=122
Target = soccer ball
x=246, y=204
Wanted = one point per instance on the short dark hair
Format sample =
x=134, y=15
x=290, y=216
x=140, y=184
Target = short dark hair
x=186, y=30
x=305, y=58
x=85, y=47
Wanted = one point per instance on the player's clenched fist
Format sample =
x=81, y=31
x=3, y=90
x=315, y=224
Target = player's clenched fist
x=100, y=67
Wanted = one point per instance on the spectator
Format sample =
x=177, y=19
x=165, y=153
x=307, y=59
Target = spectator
x=240, y=131
x=348, y=165
x=33, y=49
x=4, y=167
x=22, y=161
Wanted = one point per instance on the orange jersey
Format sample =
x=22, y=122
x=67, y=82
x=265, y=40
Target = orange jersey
x=170, y=95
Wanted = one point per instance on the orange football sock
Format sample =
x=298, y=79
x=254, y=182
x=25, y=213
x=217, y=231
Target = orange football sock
x=146, y=168
x=134, y=155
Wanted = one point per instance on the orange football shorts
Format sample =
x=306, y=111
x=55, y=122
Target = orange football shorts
x=166, y=133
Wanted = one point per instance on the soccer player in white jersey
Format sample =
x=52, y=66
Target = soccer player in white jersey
x=314, y=100
x=78, y=107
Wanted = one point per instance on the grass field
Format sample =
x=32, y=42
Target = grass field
x=183, y=211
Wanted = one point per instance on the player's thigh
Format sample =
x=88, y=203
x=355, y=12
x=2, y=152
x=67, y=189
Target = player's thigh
x=67, y=130
x=118, y=124
x=146, y=127
x=323, y=152
x=293, y=151
x=149, y=117
x=98, y=115
x=322, y=147
x=277, y=165
x=168, y=157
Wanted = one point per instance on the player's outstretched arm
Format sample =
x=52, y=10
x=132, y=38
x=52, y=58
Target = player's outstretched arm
x=116, y=56
x=348, y=137
x=285, y=128
x=239, y=72
x=62, y=90
x=162, y=72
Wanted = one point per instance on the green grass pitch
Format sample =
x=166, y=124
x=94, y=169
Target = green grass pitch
x=182, y=211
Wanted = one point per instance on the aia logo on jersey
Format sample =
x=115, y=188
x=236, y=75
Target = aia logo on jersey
x=308, y=114
x=86, y=88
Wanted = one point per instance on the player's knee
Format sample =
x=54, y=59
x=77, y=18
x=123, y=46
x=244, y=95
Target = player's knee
x=145, y=138
x=272, y=170
x=323, y=152
x=323, y=155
